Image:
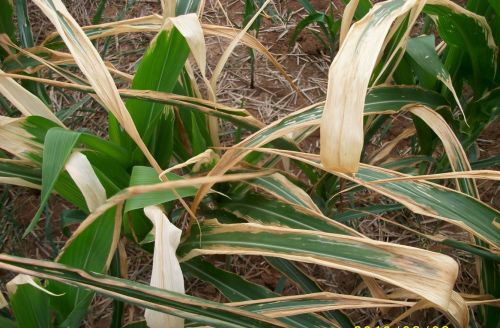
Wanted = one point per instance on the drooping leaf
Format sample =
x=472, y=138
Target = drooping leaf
x=421, y=50
x=348, y=78
x=189, y=307
x=395, y=264
x=166, y=273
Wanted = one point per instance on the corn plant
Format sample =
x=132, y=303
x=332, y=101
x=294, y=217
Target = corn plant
x=161, y=180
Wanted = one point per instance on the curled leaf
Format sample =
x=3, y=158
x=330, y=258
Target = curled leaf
x=80, y=170
x=167, y=273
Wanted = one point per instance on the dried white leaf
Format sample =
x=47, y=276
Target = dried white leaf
x=167, y=273
x=81, y=171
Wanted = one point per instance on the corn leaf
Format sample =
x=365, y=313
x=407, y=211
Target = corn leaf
x=422, y=197
x=57, y=148
x=461, y=28
x=23, y=100
x=158, y=71
x=231, y=285
x=186, y=7
x=399, y=265
x=93, y=67
x=421, y=50
x=379, y=100
x=237, y=289
x=282, y=188
x=31, y=307
x=348, y=78
x=189, y=307
x=90, y=249
x=166, y=272
x=263, y=210
x=6, y=22
x=308, y=285
x=292, y=305
x=142, y=175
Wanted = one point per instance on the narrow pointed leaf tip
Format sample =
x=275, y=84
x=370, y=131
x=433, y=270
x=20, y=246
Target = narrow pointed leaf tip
x=348, y=79
x=167, y=273
x=22, y=279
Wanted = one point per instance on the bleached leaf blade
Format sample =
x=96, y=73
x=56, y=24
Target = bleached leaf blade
x=167, y=273
x=80, y=170
x=23, y=100
x=342, y=122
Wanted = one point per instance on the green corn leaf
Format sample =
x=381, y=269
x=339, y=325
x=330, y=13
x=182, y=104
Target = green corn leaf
x=158, y=71
x=137, y=225
x=57, y=148
x=316, y=17
x=421, y=50
x=7, y=323
x=231, y=285
x=90, y=250
x=13, y=169
x=392, y=263
x=189, y=307
x=194, y=122
x=163, y=140
x=470, y=32
x=364, y=7
x=31, y=307
x=259, y=209
x=142, y=175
